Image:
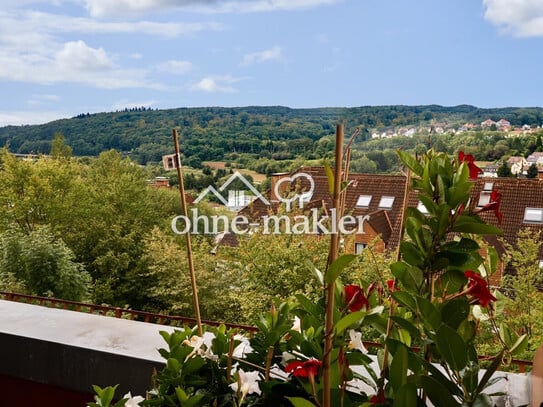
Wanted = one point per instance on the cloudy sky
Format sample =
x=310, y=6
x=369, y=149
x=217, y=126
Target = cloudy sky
x=59, y=58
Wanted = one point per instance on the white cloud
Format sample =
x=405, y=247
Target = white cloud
x=29, y=117
x=216, y=84
x=262, y=56
x=31, y=51
x=521, y=18
x=78, y=56
x=42, y=99
x=175, y=67
x=103, y=8
x=54, y=23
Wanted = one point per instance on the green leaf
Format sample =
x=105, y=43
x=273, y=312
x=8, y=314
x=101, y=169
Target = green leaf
x=432, y=316
x=337, y=267
x=452, y=347
x=300, y=402
x=398, y=368
x=315, y=271
x=411, y=254
x=349, y=320
x=411, y=163
x=455, y=311
x=406, y=396
x=467, y=224
x=437, y=393
x=408, y=326
x=193, y=364
x=405, y=299
x=519, y=346
x=490, y=371
x=330, y=175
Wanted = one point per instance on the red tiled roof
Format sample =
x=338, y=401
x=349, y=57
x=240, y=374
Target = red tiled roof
x=517, y=195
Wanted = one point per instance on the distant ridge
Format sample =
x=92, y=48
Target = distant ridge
x=211, y=132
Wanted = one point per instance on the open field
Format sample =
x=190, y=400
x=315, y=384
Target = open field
x=221, y=165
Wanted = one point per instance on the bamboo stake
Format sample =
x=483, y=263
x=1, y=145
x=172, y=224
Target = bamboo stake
x=384, y=370
x=187, y=235
x=332, y=256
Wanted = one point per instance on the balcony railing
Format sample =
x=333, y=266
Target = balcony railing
x=162, y=319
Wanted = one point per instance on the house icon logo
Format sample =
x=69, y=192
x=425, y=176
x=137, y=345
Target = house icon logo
x=237, y=199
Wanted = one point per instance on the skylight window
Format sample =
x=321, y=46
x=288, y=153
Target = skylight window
x=488, y=186
x=363, y=201
x=386, y=202
x=484, y=199
x=533, y=215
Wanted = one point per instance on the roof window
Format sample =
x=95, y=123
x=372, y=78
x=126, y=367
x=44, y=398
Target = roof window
x=487, y=187
x=533, y=215
x=363, y=201
x=386, y=202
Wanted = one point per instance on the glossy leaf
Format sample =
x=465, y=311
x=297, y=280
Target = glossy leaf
x=452, y=347
x=337, y=267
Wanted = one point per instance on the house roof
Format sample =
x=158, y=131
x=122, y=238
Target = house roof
x=517, y=195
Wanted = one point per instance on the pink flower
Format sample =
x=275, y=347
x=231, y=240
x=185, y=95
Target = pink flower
x=474, y=171
x=355, y=298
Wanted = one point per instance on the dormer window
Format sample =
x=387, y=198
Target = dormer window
x=533, y=215
x=363, y=201
x=386, y=202
x=487, y=187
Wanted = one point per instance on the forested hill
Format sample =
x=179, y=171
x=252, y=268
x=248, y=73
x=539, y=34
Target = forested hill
x=212, y=133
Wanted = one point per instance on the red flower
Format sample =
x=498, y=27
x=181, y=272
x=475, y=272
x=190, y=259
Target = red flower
x=474, y=171
x=309, y=368
x=494, y=205
x=378, y=398
x=391, y=283
x=478, y=289
x=355, y=298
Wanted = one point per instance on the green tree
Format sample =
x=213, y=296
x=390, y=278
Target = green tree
x=522, y=303
x=504, y=170
x=532, y=171
x=59, y=149
x=43, y=264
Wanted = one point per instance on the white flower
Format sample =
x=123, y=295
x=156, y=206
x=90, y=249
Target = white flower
x=243, y=348
x=286, y=357
x=247, y=382
x=356, y=341
x=296, y=326
x=132, y=401
x=195, y=342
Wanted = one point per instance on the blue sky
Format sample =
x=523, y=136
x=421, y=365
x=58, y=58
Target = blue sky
x=59, y=58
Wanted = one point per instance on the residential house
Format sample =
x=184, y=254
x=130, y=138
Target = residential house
x=535, y=158
x=517, y=164
x=379, y=201
x=488, y=123
x=490, y=170
x=503, y=125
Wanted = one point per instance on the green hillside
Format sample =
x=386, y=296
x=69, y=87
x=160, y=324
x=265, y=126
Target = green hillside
x=216, y=133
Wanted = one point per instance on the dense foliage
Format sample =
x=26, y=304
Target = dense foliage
x=264, y=138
